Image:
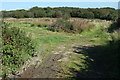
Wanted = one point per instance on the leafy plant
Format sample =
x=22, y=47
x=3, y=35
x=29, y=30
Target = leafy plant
x=17, y=47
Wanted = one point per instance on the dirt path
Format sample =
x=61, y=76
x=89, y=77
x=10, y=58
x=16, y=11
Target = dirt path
x=50, y=67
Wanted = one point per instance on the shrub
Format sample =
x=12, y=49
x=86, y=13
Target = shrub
x=32, y=25
x=116, y=35
x=113, y=27
x=80, y=26
x=66, y=16
x=71, y=27
x=16, y=47
x=113, y=55
x=39, y=25
x=62, y=25
x=110, y=55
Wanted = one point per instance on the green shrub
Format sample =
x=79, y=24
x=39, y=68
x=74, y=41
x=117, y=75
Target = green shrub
x=16, y=47
x=113, y=55
x=110, y=55
x=32, y=25
x=39, y=25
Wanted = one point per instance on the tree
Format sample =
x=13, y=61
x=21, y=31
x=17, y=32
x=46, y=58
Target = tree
x=87, y=14
x=64, y=12
x=57, y=14
x=113, y=15
x=66, y=16
x=37, y=12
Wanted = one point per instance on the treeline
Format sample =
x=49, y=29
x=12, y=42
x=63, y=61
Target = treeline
x=38, y=12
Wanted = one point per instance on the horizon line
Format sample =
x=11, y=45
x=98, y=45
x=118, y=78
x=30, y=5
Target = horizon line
x=56, y=7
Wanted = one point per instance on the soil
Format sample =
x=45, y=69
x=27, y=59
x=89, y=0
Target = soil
x=49, y=67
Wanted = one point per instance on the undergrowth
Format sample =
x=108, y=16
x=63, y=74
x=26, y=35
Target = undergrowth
x=62, y=25
x=17, y=47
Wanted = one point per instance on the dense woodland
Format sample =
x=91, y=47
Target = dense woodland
x=90, y=13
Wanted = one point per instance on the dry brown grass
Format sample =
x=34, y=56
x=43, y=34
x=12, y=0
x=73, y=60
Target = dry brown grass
x=33, y=20
x=81, y=25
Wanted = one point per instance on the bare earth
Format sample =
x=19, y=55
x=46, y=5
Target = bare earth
x=50, y=67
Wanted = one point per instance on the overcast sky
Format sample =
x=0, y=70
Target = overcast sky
x=27, y=4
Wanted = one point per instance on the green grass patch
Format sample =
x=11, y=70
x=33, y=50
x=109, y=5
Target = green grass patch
x=76, y=62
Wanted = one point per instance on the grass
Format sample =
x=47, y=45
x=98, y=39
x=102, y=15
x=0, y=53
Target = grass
x=76, y=62
x=46, y=41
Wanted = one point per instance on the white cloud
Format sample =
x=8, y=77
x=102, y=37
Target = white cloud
x=59, y=1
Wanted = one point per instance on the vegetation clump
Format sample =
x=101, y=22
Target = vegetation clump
x=64, y=25
x=16, y=47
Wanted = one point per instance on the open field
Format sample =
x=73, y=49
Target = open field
x=62, y=54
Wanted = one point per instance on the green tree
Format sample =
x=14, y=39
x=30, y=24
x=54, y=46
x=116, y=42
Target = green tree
x=113, y=15
x=57, y=14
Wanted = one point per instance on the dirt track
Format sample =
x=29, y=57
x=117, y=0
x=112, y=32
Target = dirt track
x=50, y=67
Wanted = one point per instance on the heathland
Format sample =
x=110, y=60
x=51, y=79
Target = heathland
x=60, y=47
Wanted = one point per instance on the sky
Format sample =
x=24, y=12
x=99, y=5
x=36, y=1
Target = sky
x=20, y=4
x=59, y=0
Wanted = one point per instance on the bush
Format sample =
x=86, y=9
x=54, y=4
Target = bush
x=16, y=47
x=71, y=27
x=62, y=25
x=66, y=16
x=32, y=25
x=80, y=26
x=113, y=55
x=110, y=56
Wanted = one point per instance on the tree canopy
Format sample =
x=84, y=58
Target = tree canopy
x=38, y=12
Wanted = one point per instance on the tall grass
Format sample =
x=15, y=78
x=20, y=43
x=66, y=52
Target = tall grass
x=82, y=25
